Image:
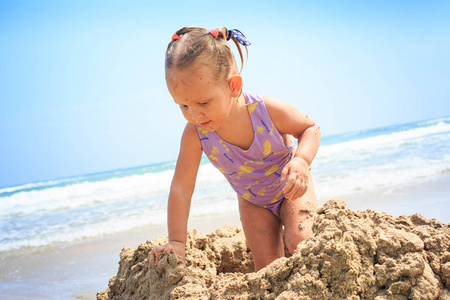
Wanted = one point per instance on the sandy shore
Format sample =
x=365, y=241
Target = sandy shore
x=351, y=255
x=78, y=270
x=432, y=200
x=62, y=271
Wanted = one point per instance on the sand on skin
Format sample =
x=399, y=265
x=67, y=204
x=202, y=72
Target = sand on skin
x=351, y=255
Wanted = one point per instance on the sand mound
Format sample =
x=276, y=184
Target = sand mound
x=352, y=255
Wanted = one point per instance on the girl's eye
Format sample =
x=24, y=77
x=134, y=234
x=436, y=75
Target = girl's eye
x=203, y=103
x=183, y=106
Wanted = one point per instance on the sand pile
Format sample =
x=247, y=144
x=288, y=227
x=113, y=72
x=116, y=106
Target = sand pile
x=352, y=255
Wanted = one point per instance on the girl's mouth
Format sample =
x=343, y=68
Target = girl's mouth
x=205, y=124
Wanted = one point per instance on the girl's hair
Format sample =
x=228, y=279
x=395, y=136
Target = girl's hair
x=196, y=45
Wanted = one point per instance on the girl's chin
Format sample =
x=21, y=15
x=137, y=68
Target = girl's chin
x=208, y=126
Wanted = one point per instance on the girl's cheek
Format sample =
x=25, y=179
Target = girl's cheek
x=187, y=116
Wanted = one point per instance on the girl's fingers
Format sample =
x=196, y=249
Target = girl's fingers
x=152, y=258
x=154, y=255
x=296, y=189
x=301, y=190
x=289, y=185
x=284, y=173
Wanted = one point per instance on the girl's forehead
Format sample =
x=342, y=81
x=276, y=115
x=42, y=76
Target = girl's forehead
x=187, y=88
x=192, y=75
x=188, y=83
x=191, y=81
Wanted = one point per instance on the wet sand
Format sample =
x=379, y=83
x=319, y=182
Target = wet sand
x=351, y=255
x=79, y=270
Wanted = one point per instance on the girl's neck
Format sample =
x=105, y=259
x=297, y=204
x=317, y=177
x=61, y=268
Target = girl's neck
x=238, y=129
x=237, y=113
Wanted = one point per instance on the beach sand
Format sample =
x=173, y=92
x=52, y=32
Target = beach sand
x=351, y=255
x=78, y=270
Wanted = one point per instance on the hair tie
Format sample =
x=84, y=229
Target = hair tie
x=239, y=36
x=214, y=33
x=175, y=36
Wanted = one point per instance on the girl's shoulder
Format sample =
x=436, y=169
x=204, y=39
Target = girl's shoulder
x=286, y=118
x=251, y=98
x=270, y=103
x=276, y=107
x=278, y=111
x=190, y=136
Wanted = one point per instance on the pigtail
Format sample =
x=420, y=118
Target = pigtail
x=226, y=34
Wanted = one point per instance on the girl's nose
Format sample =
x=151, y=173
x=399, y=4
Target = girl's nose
x=195, y=113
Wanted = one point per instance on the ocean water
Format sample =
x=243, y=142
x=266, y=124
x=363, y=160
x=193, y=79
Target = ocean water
x=379, y=162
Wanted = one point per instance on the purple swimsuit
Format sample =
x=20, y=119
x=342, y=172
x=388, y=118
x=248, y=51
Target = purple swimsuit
x=254, y=173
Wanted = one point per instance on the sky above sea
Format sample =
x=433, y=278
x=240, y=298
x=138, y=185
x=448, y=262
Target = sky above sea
x=82, y=86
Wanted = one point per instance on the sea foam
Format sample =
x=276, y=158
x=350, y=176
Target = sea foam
x=71, y=209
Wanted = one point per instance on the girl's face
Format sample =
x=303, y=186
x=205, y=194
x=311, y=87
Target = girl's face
x=203, y=100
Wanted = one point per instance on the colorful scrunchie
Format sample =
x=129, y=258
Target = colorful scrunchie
x=214, y=33
x=239, y=36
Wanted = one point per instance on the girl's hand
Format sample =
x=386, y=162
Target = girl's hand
x=171, y=247
x=296, y=172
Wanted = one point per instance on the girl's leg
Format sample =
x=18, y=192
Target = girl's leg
x=297, y=216
x=262, y=230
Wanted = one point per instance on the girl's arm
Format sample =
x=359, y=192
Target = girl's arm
x=181, y=190
x=289, y=121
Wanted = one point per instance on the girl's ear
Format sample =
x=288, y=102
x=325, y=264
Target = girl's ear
x=235, y=83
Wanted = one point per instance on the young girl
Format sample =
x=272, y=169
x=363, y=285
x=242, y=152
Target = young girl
x=247, y=137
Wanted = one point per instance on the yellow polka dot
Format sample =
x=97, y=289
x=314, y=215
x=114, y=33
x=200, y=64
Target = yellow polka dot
x=203, y=130
x=259, y=130
x=277, y=196
x=252, y=107
x=246, y=169
x=215, y=150
x=272, y=170
x=267, y=147
x=246, y=196
x=262, y=191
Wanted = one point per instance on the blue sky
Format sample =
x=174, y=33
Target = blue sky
x=82, y=82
